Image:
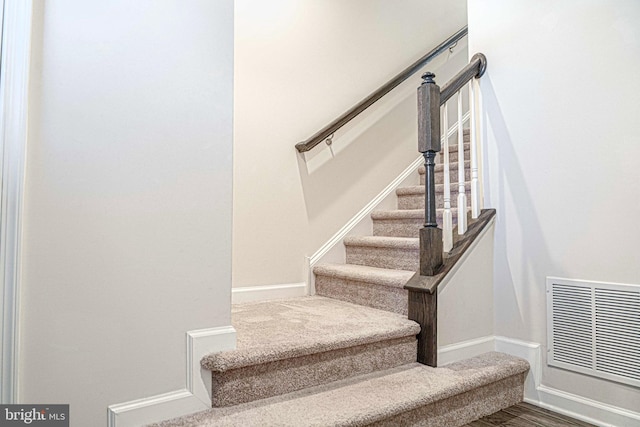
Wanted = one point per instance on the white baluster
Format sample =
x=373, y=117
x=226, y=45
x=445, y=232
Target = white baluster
x=462, y=196
x=447, y=219
x=478, y=104
x=475, y=184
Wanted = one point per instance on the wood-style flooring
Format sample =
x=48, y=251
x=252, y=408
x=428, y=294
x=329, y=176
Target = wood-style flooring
x=525, y=415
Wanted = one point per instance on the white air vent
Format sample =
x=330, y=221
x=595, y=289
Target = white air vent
x=594, y=328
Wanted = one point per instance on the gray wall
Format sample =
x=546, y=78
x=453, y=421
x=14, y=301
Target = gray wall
x=561, y=97
x=127, y=216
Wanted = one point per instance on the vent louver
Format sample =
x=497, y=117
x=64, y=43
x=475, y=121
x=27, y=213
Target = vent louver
x=594, y=328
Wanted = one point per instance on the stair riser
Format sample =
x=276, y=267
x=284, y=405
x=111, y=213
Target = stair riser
x=367, y=294
x=276, y=378
x=394, y=258
x=453, y=141
x=453, y=176
x=409, y=227
x=453, y=155
x=416, y=201
x=464, y=408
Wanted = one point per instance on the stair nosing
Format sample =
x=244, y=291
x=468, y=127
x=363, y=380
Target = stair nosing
x=379, y=276
x=405, y=214
x=419, y=189
x=388, y=242
x=416, y=385
x=246, y=355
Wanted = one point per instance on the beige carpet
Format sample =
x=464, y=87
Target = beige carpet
x=412, y=394
x=289, y=345
x=349, y=360
x=377, y=265
x=276, y=330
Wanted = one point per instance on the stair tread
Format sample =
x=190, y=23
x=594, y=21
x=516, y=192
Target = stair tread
x=365, y=399
x=453, y=147
x=362, y=273
x=405, y=213
x=419, y=189
x=383, y=242
x=268, y=331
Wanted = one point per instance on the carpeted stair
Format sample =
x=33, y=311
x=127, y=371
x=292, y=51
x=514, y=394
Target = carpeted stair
x=292, y=344
x=408, y=395
x=378, y=266
x=347, y=357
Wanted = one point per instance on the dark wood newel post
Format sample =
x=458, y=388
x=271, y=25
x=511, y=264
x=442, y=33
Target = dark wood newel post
x=429, y=145
x=423, y=309
x=423, y=303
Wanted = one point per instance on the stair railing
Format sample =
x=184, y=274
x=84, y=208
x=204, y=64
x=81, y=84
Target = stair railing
x=326, y=132
x=437, y=252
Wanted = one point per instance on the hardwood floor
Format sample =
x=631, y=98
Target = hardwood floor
x=526, y=415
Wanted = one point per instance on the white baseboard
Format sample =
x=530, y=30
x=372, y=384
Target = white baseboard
x=195, y=397
x=268, y=292
x=200, y=343
x=588, y=410
x=154, y=409
x=465, y=349
x=532, y=353
x=562, y=402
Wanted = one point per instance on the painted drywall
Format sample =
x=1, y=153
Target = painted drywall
x=300, y=64
x=127, y=216
x=561, y=100
x=465, y=302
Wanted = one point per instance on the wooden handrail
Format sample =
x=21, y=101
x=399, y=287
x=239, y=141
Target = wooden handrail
x=429, y=284
x=345, y=118
x=475, y=68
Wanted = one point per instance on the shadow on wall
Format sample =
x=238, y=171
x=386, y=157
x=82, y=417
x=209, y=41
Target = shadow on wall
x=367, y=154
x=360, y=152
x=519, y=283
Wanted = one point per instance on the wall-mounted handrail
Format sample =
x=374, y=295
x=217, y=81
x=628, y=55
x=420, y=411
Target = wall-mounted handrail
x=345, y=118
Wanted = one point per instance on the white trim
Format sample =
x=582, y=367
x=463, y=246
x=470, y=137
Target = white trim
x=364, y=212
x=532, y=353
x=195, y=397
x=268, y=292
x=465, y=349
x=587, y=410
x=16, y=45
x=153, y=409
x=612, y=285
x=447, y=278
x=308, y=275
x=200, y=343
x=562, y=402
x=1, y=22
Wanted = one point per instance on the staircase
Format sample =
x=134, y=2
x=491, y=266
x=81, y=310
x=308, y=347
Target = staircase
x=347, y=356
x=379, y=266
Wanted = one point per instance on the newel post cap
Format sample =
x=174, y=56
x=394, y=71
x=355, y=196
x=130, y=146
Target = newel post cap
x=428, y=78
